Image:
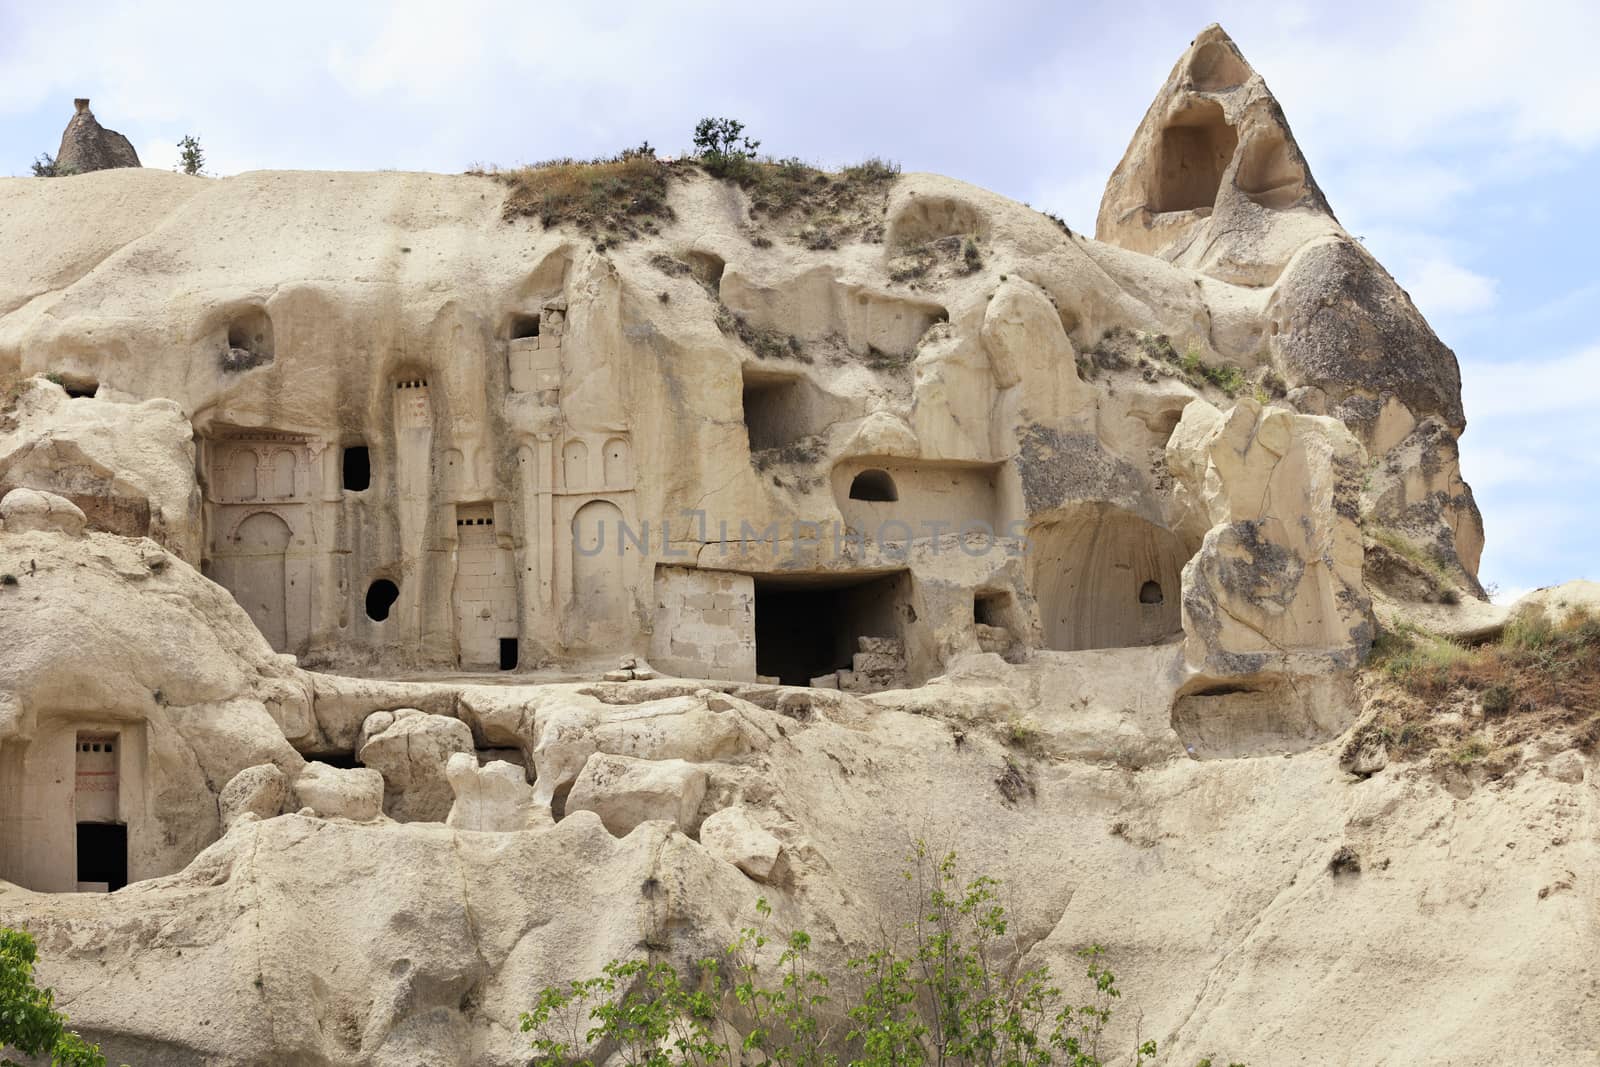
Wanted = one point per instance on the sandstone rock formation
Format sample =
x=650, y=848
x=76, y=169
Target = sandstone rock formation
x=495, y=797
x=86, y=145
x=412, y=749
x=346, y=494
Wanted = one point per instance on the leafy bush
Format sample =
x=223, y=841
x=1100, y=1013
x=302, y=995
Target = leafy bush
x=45, y=166
x=722, y=147
x=950, y=999
x=29, y=1023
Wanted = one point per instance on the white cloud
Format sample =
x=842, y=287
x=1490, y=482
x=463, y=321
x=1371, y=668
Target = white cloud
x=1441, y=287
x=1568, y=383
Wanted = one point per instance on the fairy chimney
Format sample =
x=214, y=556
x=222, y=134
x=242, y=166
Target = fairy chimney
x=86, y=145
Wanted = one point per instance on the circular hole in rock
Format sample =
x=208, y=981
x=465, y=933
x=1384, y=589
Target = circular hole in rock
x=381, y=596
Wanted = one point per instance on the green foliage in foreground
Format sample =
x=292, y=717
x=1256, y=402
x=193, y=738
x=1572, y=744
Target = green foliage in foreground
x=29, y=1023
x=949, y=999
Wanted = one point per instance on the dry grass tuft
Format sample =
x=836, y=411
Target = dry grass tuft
x=613, y=198
x=1463, y=706
x=822, y=210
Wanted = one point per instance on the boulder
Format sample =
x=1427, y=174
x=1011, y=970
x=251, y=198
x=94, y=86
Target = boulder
x=569, y=728
x=259, y=791
x=411, y=749
x=625, y=791
x=354, y=793
x=26, y=510
x=732, y=834
x=495, y=797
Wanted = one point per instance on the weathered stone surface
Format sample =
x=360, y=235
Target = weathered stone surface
x=25, y=510
x=625, y=791
x=411, y=750
x=128, y=464
x=733, y=835
x=1049, y=578
x=86, y=145
x=354, y=793
x=259, y=791
x=495, y=797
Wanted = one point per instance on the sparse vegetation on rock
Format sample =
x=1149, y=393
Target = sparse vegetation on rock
x=948, y=989
x=618, y=196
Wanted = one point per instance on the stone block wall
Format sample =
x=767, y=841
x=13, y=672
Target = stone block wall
x=705, y=624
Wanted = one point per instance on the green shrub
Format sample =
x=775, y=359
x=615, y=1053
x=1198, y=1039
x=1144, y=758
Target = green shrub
x=722, y=146
x=29, y=1023
x=191, y=157
x=954, y=997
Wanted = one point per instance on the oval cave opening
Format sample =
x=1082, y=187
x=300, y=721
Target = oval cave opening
x=874, y=485
x=381, y=596
x=1150, y=593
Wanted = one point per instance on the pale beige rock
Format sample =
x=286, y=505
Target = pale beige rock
x=411, y=750
x=1189, y=611
x=495, y=797
x=1568, y=766
x=734, y=836
x=354, y=793
x=571, y=727
x=626, y=792
x=259, y=791
x=128, y=464
x=1560, y=603
x=26, y=510
x=1280, y=570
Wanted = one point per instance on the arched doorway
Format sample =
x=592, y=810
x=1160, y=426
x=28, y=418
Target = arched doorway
x=258, y=579
x=599, y=560
x=1106, y=578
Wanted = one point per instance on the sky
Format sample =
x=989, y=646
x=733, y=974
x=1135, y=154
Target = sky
x=1459, y=139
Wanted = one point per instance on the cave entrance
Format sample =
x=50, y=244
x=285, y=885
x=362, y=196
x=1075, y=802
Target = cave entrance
x=1192, y=153
x=775, y=410
x=102, y=857
x=508, y=653
x=524, y=326
x=1106, y=578
x=356, y=473
x=811, y=626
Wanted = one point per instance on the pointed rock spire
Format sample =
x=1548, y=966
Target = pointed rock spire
x=1213, y=178
x=86, y=145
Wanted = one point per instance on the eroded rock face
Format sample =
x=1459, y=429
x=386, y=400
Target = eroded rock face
x=495, y=797
x=28, y=510
x=625, y=792
x=258, y=791
x=86, y=145
x=354, y=793
x=733, y=835
x=1213, y=180
x=411, y=750
x=973, y=524
x=1280, y=570
x=128, y=465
